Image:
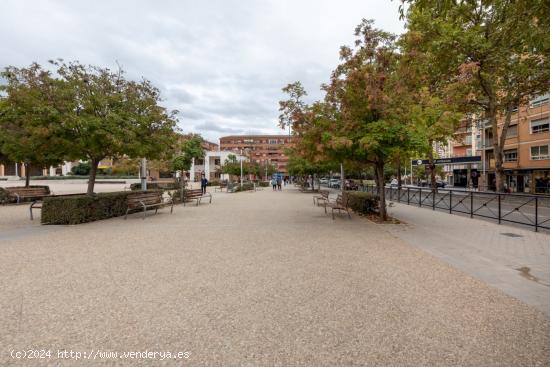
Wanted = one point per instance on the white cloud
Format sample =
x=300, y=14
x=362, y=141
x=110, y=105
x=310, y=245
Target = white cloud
x=222, y=64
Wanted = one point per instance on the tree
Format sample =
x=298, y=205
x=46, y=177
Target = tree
x=112, y=116
x=490, y=55
x=231, y=166
x=363, y=89
x=191, y=148
x=31, y=117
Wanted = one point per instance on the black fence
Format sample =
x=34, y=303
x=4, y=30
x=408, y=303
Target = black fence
x=524, y=209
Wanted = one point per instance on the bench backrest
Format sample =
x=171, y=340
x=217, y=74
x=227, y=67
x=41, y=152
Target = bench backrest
x=29, y=191
x=193, y=193
x=147, y=198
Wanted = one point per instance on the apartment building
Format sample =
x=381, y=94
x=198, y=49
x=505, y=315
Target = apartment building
x=526, y=148
x=262, y=149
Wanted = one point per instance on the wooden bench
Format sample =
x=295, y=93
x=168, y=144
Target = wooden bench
x=147, y=200
x=322, y=197
x=223, y=185
x=21, y=193
x=196, y=195
x=340, y=204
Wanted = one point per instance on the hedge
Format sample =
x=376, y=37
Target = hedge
x=236, y=187
x=78, y=177
x=156, y=186
x=82, y=208
x=362, y=202
x=5, y=198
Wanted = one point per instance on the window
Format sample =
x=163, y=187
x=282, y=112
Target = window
x=540, y=100
x=468, y=140
x=511, y=155
x=272, y=141
x=512, y=131
x=468, y=152
x=540, y=125
x=539, y=152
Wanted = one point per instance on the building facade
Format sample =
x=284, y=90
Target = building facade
x=526, y=150
x=262, y=149
x=211, y=165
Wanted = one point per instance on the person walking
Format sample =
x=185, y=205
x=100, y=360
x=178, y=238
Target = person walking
x=279, y=183
x=204, y=183
x=274, y=184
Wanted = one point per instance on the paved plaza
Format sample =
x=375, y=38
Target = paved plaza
x=264, y=279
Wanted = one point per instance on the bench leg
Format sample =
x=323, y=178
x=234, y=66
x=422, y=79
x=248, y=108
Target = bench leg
x=172, y=208
x=156, y=210
x=30, y=209
x=126, y=215
x=332, y=213
x=144, y=212
x=198, y=201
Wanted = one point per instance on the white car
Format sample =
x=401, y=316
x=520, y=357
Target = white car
x=323, y=181
x=334, y=183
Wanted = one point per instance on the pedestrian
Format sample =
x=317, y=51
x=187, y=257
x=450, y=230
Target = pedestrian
x=204, y=183
x=274, y=184
x=279, y=183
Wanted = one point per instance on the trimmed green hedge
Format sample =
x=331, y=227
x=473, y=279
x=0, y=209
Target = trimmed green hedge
x=82, y=208
x=78, y=177
x=362, y=202
x=247, y=186
x=156, y=186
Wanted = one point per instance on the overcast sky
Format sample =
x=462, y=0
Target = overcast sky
x=222, y=64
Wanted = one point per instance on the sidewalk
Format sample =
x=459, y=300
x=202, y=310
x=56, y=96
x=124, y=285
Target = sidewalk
x=515, y=260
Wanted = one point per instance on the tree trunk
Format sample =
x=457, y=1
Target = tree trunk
x=431, y=165
x=498, y=146
x=27, y=174
x=93, y=173
x=381, y=192
x=313, y=182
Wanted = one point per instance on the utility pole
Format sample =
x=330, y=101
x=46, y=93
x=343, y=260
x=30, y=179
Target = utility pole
x=143, y=174
x=342, y=180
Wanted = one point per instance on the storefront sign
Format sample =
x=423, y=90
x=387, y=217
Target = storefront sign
x=453, y=160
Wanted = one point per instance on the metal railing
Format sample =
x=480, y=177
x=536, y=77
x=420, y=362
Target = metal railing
x=524, y=209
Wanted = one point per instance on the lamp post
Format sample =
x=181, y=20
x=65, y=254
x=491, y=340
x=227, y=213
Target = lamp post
x=144, y=174
x=241, y=159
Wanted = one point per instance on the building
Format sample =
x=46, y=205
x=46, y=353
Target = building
x=526, y=148
x=262, y=149
x=15, y=171
x=211, y=165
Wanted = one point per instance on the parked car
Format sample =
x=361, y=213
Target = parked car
x=334, y=183
x=393, y=183
x=323, y=181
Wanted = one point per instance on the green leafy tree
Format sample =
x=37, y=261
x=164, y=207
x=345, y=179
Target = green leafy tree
x=191, y=148
x=112, y=116
x=31, y=118
x=489, y=55
x=231, y=166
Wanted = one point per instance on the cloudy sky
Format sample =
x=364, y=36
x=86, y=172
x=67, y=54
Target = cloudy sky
x=222, y=64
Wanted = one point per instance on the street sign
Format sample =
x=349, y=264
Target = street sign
x=453, y=160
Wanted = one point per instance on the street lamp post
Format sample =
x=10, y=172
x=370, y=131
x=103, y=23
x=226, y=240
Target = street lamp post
x=144, y=174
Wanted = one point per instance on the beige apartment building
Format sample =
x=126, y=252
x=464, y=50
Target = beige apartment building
x=260, y=149
x=526, y=150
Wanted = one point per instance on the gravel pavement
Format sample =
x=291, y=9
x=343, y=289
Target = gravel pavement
x=253, y=279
